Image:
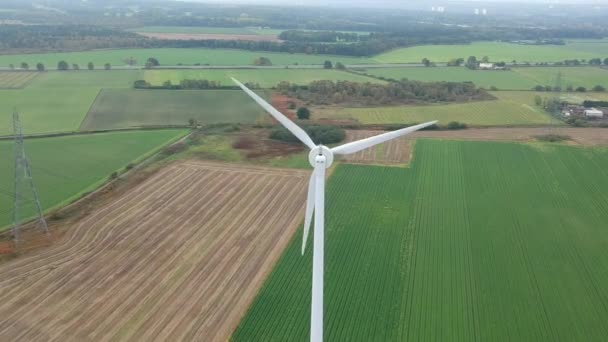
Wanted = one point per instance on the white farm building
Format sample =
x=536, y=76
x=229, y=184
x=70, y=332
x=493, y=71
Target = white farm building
x=594, y=113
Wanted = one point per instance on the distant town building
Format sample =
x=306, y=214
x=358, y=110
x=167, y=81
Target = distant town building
x=594, y=113
x=476, y=11
x=484, y=11
x=486, y=66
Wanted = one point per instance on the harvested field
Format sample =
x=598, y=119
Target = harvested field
x=15, y=79
x=399, y=151
x=392, y=152
x=580, y=136
x=180, y=257
x=205, y=36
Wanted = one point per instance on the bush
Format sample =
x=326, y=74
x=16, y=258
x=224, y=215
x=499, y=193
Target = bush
x=320, y=134
x=394, y=127
x=576, y=122
x=244, y=143
x=129, y=166
x=303, y=113
x=173, y=149
x=141, y=84
x=63, y=65
x=599, y=88
x=552, y=137
x=456, y=125
x=114, y=175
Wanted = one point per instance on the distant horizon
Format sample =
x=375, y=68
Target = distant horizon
x=387, y=3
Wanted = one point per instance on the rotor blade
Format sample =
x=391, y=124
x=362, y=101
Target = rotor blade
x=292, y=127
x=362, y=144
x=310, y=207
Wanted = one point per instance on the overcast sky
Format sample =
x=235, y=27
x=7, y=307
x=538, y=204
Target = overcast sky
x=384, y=3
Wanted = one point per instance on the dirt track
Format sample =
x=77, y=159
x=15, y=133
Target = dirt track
x=180, y=257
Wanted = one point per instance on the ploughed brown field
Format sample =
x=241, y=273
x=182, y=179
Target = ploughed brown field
x=179, y=257
x=216, y=36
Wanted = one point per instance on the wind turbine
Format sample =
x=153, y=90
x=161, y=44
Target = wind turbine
x=321, y=158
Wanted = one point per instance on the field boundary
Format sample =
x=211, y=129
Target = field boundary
x=104, y=183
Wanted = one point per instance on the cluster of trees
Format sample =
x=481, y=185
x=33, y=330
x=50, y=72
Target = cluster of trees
x=576, y=62
x=320, y=36
x=589, y=103
x=41, y=38
x=320, y=134
x=473, y=63
x=189, y=84
x=569, y=88
x=262, y=61
x=63, y=66
x=404, y=91
x=555, y=41
x=26, y=66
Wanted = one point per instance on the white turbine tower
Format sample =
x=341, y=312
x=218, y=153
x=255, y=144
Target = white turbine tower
x=321, y=157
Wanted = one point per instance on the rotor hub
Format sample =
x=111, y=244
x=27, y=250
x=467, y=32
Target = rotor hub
x=321, y=151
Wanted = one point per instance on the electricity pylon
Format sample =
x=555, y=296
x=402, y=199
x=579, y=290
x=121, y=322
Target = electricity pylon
x=556, y=108
x=24, y=185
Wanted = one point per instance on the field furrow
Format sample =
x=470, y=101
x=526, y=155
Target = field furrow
x=179, y=257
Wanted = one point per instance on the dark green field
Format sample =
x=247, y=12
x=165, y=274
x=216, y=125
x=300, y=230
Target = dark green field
x=136, y=108
x=64, y=167
x=474, y=242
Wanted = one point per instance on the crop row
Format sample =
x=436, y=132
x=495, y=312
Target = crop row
x=474, y=242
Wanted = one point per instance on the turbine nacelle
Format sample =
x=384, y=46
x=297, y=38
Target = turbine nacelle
x=321, y=151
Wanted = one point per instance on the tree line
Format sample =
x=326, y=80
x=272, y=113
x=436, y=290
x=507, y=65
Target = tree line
x=321, y=36
x=366, y=94
x=191, y=84
x=41, y=38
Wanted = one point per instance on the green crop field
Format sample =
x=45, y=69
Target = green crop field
x=87, y=79
x=498, y=52
x=511, y=108
x=423, y=253
x=503, y=80
x=173, y=57
x=45, y=110
x=64, y=167
x=265, y=78
x=15, y=79
x=136, y=108
x=571, y=76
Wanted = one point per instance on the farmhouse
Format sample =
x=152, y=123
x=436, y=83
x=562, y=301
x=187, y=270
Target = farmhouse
x=486, y=66
x=594, y=113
